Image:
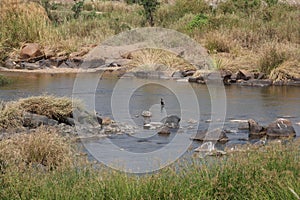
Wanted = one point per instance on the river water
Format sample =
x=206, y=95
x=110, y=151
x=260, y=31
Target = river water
x=124, y=100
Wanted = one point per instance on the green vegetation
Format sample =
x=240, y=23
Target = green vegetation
x=43, y=166
x=235, y=31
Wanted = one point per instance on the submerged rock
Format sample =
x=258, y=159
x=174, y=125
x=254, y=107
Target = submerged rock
x=213, y=135
x=281, y=128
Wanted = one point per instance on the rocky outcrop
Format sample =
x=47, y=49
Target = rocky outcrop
x=281, y=128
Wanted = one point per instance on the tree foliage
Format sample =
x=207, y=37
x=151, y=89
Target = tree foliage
x=149, y=6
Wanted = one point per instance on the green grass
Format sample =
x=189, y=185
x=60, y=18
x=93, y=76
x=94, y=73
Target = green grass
x=263, y=173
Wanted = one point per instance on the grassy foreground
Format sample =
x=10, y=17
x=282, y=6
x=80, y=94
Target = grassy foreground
x=45, y=166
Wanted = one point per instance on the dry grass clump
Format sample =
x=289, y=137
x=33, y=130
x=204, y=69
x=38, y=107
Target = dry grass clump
x=57, y=108
x=286, y=71
x=217, y=42
x=110, y=6
x=157, y=60
x=271, y=58
x=22, y=22
x=44, y=147
x=10, y=115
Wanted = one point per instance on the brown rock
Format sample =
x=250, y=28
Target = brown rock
x=30, y=50
x=106, y=121
x=244, y=75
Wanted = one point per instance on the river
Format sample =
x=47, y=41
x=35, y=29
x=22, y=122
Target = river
x=264, y=104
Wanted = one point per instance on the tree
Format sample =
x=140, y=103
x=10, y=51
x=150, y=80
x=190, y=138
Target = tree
x=149, y=6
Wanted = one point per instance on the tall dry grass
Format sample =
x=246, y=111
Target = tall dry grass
x=43, y=148
x=157, y=60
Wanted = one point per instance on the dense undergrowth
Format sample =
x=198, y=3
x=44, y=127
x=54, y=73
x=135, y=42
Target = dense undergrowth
x=256, y=35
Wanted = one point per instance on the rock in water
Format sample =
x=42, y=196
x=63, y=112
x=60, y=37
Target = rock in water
x=171, y=121
x=164, y=131
x=281, y=128
x=146, y=113
x=255, y=129
x=213, y=135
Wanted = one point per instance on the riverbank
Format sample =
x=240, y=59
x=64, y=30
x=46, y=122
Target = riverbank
x=257, y=37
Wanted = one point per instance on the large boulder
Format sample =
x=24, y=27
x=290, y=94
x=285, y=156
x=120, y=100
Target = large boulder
x=30, y=50
x=213, y=135
x=171, y=121
x=281, y=128
x=255, y=129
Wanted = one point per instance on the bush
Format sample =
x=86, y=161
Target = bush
x=43, y=147
x=217, y=42
x=10, y=115
x=169, y=14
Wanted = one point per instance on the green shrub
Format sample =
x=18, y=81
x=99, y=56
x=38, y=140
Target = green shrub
x=169, y=14
x=199, y=21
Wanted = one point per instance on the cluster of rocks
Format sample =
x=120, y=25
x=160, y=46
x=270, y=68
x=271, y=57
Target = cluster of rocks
x=242, y=77
x=279, y=129
x=32, y=57
x=164, y=126
x=84, y=125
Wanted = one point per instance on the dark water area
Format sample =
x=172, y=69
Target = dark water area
x=124, y=100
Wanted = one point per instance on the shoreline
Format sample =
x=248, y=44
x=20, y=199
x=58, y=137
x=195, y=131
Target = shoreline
x=59, y=70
